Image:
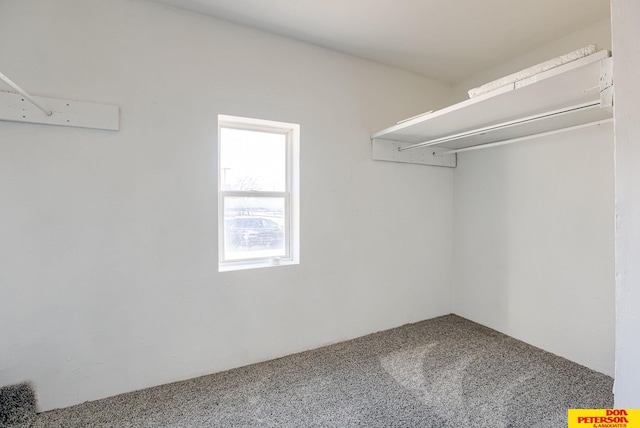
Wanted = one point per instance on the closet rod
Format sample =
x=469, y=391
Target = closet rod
x=24, y=93
x=526, y=137
x=503, y=125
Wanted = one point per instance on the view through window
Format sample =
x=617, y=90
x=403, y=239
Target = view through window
x=256, y=179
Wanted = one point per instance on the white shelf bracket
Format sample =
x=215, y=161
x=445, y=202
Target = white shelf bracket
x=22, y=107
x=606, y=84
x=24, y=93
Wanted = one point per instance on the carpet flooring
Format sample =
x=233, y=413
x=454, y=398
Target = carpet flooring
x=443, y=372
x=17, y=406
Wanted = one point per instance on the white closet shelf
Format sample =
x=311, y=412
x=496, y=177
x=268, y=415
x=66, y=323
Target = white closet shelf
x=567, y=97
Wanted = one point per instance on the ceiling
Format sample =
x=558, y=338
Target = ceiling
x=445, y=39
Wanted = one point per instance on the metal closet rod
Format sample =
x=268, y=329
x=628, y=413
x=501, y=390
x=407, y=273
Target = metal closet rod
x=504, y=125
x=24, y=93
x=526, y=137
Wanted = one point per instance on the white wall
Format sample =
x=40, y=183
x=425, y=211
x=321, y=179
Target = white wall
x=626, y=35
x=109, y=277
x=533, y=243
x=534, y=238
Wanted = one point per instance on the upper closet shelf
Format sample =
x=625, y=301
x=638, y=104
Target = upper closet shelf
x=574, y=95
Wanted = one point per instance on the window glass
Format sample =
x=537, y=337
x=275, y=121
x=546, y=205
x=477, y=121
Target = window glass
x=254, y=227
x=252, y=160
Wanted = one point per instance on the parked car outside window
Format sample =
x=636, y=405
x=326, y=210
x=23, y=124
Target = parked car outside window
x=246, y=233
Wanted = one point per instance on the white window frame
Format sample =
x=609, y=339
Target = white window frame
x=291, y=194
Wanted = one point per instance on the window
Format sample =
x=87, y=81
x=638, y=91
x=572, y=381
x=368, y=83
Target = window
x=258, y=179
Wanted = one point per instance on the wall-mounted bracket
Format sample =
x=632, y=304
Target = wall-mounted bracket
x=606, y=84
x=388, y=150
x=17, y=108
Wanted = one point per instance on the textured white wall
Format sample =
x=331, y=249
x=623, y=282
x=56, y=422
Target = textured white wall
x=108, y=240
x=533, y=243
x=534, y=230
x=625, y=16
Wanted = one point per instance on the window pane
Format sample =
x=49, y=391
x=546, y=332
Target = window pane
x=254, y=227
x=252, y=160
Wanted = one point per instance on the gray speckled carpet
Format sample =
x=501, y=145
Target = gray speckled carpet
x=443, y=372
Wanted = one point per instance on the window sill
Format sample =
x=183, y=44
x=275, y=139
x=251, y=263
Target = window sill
x=233, y=266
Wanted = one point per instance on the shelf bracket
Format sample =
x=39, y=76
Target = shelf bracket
x=606, y=84
x=388, y=150
x=24, y=93
x=22, y=107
